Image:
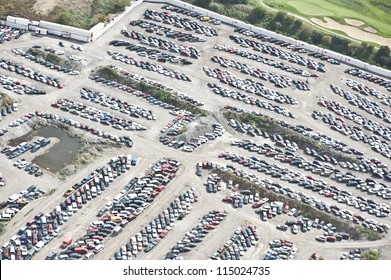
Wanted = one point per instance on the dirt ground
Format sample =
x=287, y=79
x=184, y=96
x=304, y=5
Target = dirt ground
x=149, y=150
x=353, y=31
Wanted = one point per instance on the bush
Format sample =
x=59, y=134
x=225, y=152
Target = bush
x=5, y=100
x=2, y=228
x=202, y=3
x=362, y=233
x=257, y=15
x=371, y=255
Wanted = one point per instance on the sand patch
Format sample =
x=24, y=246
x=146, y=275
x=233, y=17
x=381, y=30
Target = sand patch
x=354, y=22
x=370, y=29
x=352, y=31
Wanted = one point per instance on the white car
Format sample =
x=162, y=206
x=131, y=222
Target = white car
x=57, y=231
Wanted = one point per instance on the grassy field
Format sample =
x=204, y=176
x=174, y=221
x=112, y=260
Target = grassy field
x=374, y=13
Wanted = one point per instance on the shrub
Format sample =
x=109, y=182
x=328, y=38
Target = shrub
x=371, y=255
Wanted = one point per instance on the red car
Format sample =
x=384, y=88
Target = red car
x=227, y=199
x=209, y=227
x=257, y=204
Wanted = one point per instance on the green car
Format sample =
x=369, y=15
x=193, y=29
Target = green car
x=101, y=212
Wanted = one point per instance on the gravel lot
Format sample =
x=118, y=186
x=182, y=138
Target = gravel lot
x=149, y=150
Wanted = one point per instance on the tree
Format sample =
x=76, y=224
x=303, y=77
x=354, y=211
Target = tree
x=280, y=16
x=326, y=40
x=256, y=15
x=351, y=48
x=382, y=56
x=317, y=37
x=202, y=3
x=65, y=18
x=364, y=51
x=339, y=44
x=298, y=23
x=288, y=21
x=305, y=33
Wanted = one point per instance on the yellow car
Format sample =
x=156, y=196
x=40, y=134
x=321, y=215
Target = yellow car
x=69, y=192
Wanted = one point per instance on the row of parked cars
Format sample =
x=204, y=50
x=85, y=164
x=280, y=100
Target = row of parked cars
x=8, y=33
x=249, y=99
x=156, y=42
x=117, y=104
x=33, y=146
x=150, y=53
x=150, y=66
x=207, y=223
x=29, y=167
x=136, y=196
x=134, y=77
x=281, y=249
x=55, y=119
x=375, y=142
x=19, y=87
x=97, y=115
x=265, y=60
x=45, y=227
x=19, y=200
x=250, y=86
x=381, y=210
x=354, y=254
x=185, y=23
x=238, y=244
x=191, y=144
x=368, y=91
x=349, y=114
x=277, y=52
x=170, y=33
x=45, y=63
x=303, y=130
x=274, y=78
x=372, y=78
x=317, y=167
x=289, y=46
x=364, y=103
x=306, y=199
x=30, y=73
x=158, y=228
x=182, y=119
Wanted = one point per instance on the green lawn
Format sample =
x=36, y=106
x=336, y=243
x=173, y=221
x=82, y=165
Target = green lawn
x=374, y=13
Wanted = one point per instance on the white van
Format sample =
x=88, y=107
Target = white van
x=39, y=245
x=89, y=255
x=5, y=217
x=109, y=204
x=98, y=248
x=118, y=197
